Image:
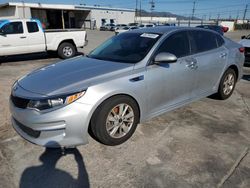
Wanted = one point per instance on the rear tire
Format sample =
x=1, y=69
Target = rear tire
x=66, y=50
x=115, y=120
x=227, y=84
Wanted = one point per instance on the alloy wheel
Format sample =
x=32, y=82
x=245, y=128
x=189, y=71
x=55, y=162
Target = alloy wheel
x=120, y=120
x=228, y=84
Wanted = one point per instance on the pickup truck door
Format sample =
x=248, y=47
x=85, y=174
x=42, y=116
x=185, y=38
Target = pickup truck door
x=36, y=38
x=13, y=40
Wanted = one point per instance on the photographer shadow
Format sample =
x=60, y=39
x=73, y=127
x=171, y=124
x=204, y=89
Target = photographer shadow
x=47, y=175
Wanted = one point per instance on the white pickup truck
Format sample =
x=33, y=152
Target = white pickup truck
x=23, y=36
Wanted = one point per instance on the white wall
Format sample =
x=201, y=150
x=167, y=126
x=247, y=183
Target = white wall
x=229, y=24
x=24, y=12
x=156, y=19
x=8, y=13
x=121, y=17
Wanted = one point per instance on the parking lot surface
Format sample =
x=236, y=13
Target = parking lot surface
x=194, y=146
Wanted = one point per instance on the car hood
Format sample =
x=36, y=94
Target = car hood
x=71, y=75
x=245, y=42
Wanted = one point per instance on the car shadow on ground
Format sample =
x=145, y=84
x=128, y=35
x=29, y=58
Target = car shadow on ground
x=29, y=57
x=246, y=77
x=47, y=175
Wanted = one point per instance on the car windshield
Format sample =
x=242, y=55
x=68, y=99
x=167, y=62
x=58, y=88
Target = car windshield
x=1, y=21
x=126, y=47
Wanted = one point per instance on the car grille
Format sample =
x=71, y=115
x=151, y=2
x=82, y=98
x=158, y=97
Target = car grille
x=19, y=102
x=27, y=130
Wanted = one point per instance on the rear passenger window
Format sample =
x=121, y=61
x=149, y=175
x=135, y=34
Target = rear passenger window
x=220, y=40
x=203, y=41
x=32, y=27
x=177, y=44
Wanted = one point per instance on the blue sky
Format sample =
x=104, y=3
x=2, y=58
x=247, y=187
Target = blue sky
x=204, y=8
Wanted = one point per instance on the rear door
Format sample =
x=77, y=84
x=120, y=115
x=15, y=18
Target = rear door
x=210, y=57
x=36, y=38
x=14, y=40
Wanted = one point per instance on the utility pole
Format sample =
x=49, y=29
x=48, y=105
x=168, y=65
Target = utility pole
x=237, y=15
x=140, y=10
x=136, y=10
x=245, y=12
x=152, y=3
x=23, y=9
x=193, y=11
x=204, y=17
x=218, y=17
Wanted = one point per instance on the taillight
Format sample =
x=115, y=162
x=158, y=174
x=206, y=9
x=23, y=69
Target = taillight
x=242, y=50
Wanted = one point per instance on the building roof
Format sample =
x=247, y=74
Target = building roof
x=63, y=6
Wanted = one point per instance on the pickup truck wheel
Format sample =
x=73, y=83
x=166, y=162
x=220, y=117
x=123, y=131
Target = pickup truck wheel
x=115, y=120
x=66, y=50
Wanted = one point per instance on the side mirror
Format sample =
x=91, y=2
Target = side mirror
x=243, y=37
x=165, y=57
x=2, y=32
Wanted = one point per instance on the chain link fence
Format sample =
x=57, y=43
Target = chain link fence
x=245, y=26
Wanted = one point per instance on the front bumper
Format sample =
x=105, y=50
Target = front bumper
x=64, y=127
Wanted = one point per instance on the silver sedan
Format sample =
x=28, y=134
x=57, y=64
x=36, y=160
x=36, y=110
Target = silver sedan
x=130, y=78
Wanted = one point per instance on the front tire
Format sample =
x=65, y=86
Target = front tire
x=115, y=120
x=66, y=50
x=227, y=84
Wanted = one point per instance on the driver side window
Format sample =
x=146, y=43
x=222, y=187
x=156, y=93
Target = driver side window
x=177, y=44
x=13, y=28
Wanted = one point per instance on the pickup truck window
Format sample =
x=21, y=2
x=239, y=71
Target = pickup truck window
x=32, y=27
x=13, y=28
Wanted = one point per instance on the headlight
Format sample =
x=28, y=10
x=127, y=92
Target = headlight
x=54, y=102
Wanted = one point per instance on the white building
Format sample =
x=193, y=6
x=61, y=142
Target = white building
x=56, y=16
x=161, y=20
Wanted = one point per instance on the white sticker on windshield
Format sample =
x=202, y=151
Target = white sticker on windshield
x=149, y=35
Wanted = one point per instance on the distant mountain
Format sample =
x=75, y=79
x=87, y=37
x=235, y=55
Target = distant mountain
x=163, y=14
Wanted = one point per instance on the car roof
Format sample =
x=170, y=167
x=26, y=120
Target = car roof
x=167, y=29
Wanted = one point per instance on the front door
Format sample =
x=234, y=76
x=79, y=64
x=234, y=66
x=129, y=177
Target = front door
x=13, y=40
x=170, y=85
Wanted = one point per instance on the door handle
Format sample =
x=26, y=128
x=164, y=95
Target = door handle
x=191, y=63
x=136, y=79
x=223, y=55
x=24, y=37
